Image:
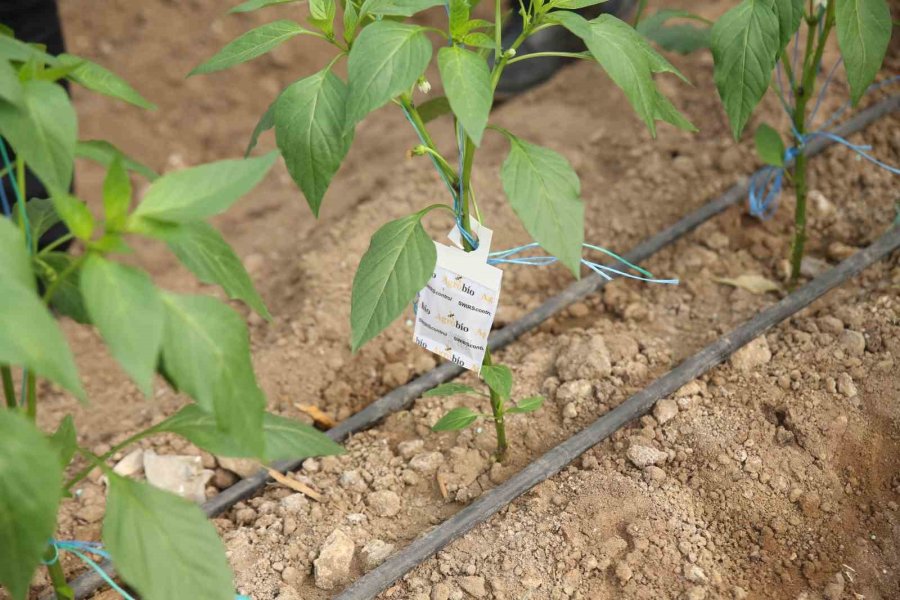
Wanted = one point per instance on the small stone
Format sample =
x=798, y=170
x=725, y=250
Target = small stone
x=665, y=410
x=410, y=448
x=753, y=464
x=574, y=391
x=830, y=324
x=440, y=591
x=295, y=503
x=291, y=576
x=624, y=573
x=691, y=388
x=644, y=456
x=584, y=359
x=846, y=386
x=754, y=354
x=473, y=585
x=375, y=552
x=426, y=463
x=242, y=467
x=569, y=411
x=579, y=310
x=332, y=568
x=812, y=266
x=131, y=465
x=698, y=592
x=182, y=475
x=224, y=479
x=353, y=481
x=245, y=516
x=654, y=473
x=694, y=573
x=853, y=342
x=311, y=465
x=385, y=503
x=840, y=251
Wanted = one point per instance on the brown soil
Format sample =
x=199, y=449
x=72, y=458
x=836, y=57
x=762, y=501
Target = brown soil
x=778, y=474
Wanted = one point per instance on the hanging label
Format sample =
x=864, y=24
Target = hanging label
x=456, y=308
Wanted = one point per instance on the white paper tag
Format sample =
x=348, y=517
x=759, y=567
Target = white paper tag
x=456, y=309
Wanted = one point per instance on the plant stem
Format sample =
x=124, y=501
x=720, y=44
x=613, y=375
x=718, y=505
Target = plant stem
x=57, y=576
x=31, y=395
x=499, y=416
x=56, y=243
x=419, y=125
x=9, y=389
x=466, y=178
x=124, y=444
x=51, y=289
x=583, y=55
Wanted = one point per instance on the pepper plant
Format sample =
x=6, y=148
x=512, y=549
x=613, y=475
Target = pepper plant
x=751, y=39
x=386, y=57
x=161, y=545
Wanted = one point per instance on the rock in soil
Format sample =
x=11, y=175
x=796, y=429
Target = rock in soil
x=332, y=568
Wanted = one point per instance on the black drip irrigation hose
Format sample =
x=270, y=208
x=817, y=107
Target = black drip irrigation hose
x=552, y=462
x=403, y=396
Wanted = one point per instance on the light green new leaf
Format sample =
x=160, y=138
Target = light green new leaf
x=251, y=5
x=459, y=17
x=311, y=132
x=499, y=378
x=67, y=299
x=630, y=62
x=42, y=129
x=458, y=418
x=467, y=83
x=10, y=86
x=102, y=80
x=398, y=263
x=745, y=43
x=284, y=439
x=398, y=8
x=19, y=51
x=250, y=45
x=31, y=338
x=75, y=214
x=543, y=190
x=385, y=61
x=199, y=192
x=863, y=33
x=101, y=151
x=65, y=441
x=163, y=545
x=265, y=123
x=16, y=265
x=769, y=146
x=116, y=195
x=527, y=405
x=321, y=15
x=125, y=306
x=30, y=491
x=202, y=249
x=789, y=13
x=449, y=389
x=206, y=354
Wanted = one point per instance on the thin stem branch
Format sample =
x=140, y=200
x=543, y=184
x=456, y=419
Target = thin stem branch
x=419, y=125
x=57, y=575
x=31, y=395
x=56, y=243
x=9, y=390
x=582, y=55
x=102, y=459
x=71, y=268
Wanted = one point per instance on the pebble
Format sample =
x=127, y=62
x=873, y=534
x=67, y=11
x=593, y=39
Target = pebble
x=375, y=552
x=853, y=342
x=427, y=462
x=569, y=411
x=584, y=359
x=665, y=410
x=846, y=386
x=385, y=503
x=353, y=481
x=754, y=354
x=694, y=574
x=242, y=467
x=291, y=576
x=624, y=573
x=654, y=473
x=410, y=448
x=574, y=391
x=830, y=324
x=332, y=568
x=131, y=465
x=295, y=503
x=644, y=456
x=182, y=475
x=440, y=591
x=473, y=585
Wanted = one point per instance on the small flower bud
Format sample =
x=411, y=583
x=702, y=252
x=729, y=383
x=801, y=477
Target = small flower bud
x=423, y=85
x=511, y=52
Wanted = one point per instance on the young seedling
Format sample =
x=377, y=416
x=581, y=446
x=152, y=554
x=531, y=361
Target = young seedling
x=751, y=39
x=315, y=119
x=161, y=545
x=499, y=381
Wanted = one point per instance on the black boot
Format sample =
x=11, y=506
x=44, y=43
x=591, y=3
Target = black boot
x=524, y=75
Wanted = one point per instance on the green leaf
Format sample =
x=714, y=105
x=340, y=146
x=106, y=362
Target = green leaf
x=30, y=491
x=310, y=126
x=251, y=5
x=75, y=214
x=65, y=441
x=398, y=263
x=16, y=264
x=351, y=21
x=744, y=45
x=31, y=338
x=284, y=439
x=526, y=405
x=458, y=418
x=630, y=62
x=769, y=146
x=200, y=192
x=863, y=33
x=265, y=123
x=42, y=129
x=250, y=45
x=543, y=190
x=499, y=378
x=125, y=306
x=10, y=86
x=434, y=108
x=67, y=300
x=397, y=8
x=206, y=354
x=467, y=83
x=202, y=249
x=101, y=151
x=163, y=545
x=681, y=38
x=116, y=195
x=449, y=389
x=41, y=218
x=19, y=51
x=458, y=16
x=790, y=14
x=574, y=4
x=385, y=61
x=102, y=80
x=480, y=40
